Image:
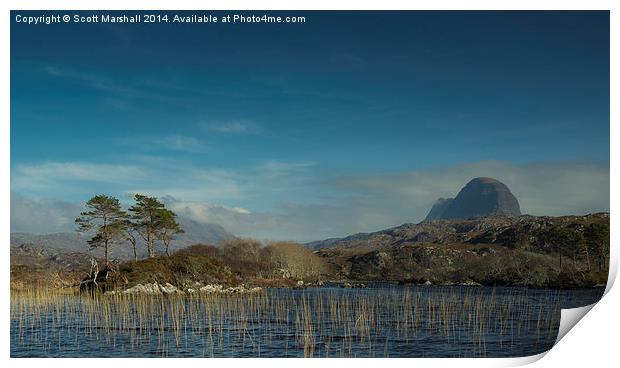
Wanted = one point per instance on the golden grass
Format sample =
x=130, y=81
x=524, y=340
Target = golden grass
x=308, y=323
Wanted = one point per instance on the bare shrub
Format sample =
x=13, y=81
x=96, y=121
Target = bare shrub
x=291, y=260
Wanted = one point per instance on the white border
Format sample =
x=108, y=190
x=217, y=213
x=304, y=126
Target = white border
x=594, y=340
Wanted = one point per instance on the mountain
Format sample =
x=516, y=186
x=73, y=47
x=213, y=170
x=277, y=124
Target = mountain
x=68, y=241
x=479, y=198
x=47, y=257
x=195, y=233
x=38, y=265
x=199, y=233
x=439, y=208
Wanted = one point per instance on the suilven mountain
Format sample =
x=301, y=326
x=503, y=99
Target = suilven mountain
x=481, y=197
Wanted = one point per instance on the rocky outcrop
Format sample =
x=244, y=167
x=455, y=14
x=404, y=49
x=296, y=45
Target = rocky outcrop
x=479, y=198
x=167, y=288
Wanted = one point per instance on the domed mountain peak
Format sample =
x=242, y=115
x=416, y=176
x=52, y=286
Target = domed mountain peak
x=480, y=197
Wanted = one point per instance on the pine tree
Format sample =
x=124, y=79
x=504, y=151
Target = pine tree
x=104, y=216
x=561, y=240
x=146, y=214
x=168, y=228
x=597, y=240
x=129, y=233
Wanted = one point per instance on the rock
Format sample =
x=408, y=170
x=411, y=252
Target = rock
x=242, y=290
x=469, y=283
x=427, y=283
x=233, y=290
x=170, y=289
x=211, y=289
x=485, y=251
x=300, y=283
x=153, y=288
x=219, y=289
x=480, y=197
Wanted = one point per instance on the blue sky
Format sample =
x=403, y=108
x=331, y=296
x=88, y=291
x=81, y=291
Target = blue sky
x=348, y=122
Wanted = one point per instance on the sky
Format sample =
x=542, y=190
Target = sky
x=349, y=122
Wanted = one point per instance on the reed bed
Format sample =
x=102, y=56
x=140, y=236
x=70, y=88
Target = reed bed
x=383, y=322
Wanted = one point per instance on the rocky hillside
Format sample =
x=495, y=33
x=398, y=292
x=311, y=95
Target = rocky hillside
x=33, y=264
x=480, y=197
x=45, y=257
x=502, y=250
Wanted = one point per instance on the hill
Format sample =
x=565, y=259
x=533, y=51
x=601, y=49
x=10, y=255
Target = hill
x=497, y=250
x=34, y=264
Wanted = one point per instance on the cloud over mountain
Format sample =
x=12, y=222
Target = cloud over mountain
x=341, y=205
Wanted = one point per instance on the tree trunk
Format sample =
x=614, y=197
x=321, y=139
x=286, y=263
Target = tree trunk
x=149, y=245
x=167, y=248
x=106, y=240
x=107, y=254
x=135, y=253
x=151, y=241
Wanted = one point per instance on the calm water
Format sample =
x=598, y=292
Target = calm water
x=323, y=322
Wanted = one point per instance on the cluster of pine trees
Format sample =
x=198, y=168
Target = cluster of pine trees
x=147, y=219
x=589, y=244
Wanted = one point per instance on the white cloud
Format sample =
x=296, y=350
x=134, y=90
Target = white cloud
x=241, y=210
x=42, y=216
x=231, y=127
x=50, y=175
x=171, y=142
x=204, y=184
x=181, y=143
x=161, y=177
x=542, y=188
x=274, y=166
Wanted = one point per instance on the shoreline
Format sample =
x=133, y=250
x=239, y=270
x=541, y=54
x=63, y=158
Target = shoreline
x=249, y=288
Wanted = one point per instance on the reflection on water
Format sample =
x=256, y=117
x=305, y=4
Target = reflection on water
x=385, y=321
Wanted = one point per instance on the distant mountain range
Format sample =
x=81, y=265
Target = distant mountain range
x=195, y=233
